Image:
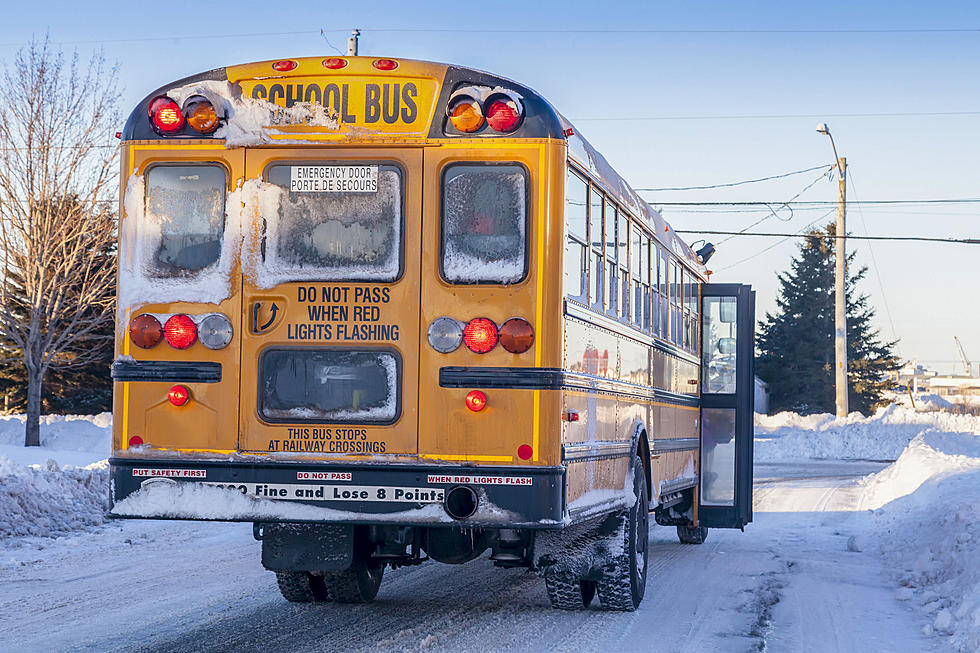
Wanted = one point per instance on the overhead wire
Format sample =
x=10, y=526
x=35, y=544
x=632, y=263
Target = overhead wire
x=804, y=230
x=926, y=239
x=733, y=183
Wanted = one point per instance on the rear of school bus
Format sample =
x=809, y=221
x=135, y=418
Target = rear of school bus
x=331, y=272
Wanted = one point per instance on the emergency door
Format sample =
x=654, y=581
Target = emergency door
x=330, y=301
x=727, y=405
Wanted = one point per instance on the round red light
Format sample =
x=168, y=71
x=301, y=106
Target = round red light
x=503, y=115
x=284, y=66
x=476, y=400
x=524, y=452
x=145, y=331
x=180, y=331
x=178, y=395
x=516, y=335
x=334, y=63
x=480, y=335
x=135, y=441
x=166, y=115
x=385, y=64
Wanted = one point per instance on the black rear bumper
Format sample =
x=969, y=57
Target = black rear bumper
x=345, y=493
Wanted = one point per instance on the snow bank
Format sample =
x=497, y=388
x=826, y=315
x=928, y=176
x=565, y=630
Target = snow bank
x=926, y=522
x=47, y=501
x=883, y=436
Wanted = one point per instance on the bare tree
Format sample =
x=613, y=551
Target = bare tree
x=57, y=182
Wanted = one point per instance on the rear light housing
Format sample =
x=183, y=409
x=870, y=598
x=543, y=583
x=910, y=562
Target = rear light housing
x=165, y=115
x=504, y=113
x=145, y=331
x=465, y=114
x=385, y=64
x=476, y=400
x=334, y=63
x=480, y=335
x=284, y=66
x=178, y=395
x=445, y=334
x=180, y=331
x=516, y=335
x=215, y=331
x=200, y=114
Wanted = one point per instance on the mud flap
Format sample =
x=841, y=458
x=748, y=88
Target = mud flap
x=307, y=547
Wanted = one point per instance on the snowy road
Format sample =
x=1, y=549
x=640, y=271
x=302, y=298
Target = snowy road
x=787, y=584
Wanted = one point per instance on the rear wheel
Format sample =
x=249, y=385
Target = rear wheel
x=692, y=534
x=567, y=593
x=359, y=584
x=624, y=580
x=301, y=586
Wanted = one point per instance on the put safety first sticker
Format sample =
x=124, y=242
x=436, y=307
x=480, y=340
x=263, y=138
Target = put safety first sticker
x=305, y=492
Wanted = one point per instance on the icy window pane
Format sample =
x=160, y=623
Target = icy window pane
x=329, y=385
x=185, y=215
x=484, y=224
x=351, y=236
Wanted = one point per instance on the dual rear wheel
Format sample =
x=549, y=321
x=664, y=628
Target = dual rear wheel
x=359, y=584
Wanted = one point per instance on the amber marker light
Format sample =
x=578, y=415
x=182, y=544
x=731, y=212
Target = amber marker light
x=145, y=331
x=200, y=114
x=480, y=335
x=476, y=400
x=516, y=335
x=465, y=114
x=178, y=395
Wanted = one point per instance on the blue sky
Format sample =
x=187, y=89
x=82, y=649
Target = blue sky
x=611, y=84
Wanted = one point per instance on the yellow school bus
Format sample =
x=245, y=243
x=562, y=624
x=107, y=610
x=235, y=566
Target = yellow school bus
x=391, y=310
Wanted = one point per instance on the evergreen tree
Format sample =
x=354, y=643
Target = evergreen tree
x=796, y=345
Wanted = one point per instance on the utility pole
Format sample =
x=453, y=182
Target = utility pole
x=840, y=280
x=840, y=290
x=352, y=43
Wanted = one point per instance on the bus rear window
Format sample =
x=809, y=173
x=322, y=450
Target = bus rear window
x=336, y=222
x=185, y=218
x=484, y=223
x=329, y=385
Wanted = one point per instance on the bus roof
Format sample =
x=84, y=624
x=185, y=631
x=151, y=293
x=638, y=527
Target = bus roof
x=302, y=101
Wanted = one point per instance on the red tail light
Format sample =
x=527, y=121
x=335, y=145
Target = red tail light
x=516, y=335
x=180, y=331
x=334, y=63
x=136, y=441
x=145, y=331
x=476, y=400
x=503, y=114
x=524, y=452
x=480, y=335
x=284, y=66
x=385, y=64
x=165, y=115
x=178, y=395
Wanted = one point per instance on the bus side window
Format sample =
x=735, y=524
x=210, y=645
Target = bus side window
x=664, y=324
x=596, y=237
x=576, y=226
x=637, y=260
x=185, y=205
x=484, y=223
x=622, y=239
x=611, y=275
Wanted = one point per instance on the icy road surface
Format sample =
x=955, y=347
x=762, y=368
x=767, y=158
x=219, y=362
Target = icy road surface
x=788, y=583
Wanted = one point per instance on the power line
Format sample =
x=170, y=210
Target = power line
x=778, y=242
x=949, y=200
x=778, y=116
x=734, y=183
x=928, y=239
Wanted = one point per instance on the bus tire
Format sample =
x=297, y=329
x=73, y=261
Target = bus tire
x=301, y=587
x=623, y=580
x=692, y=534
x=359, y=584
x=567, y=593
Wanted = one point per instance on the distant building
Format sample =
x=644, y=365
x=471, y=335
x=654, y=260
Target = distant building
x=761, y=396
x=913, y=375
x=946, y=386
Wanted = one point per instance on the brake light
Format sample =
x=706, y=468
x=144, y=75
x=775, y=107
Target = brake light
x=516, y=335
x=145, y=331
x=284, y=66
x=178, y=395
x=165, y=115
x=200, y=114
x=334, y=63
x=135, y=441
x=480, y=335
x=465, y=114
x=476, y=400
x=180, y=331
x=385, y=64
x=524, y=452
x=503, y=113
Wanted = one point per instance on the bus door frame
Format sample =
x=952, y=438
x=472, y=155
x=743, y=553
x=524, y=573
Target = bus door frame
x=742, y=401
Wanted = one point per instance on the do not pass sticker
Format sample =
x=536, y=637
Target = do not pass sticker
x=333, y=179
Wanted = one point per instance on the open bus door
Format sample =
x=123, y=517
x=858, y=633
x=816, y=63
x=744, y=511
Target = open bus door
x=727, y=405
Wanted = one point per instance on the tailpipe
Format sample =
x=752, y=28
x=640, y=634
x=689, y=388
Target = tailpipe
x=461, y=502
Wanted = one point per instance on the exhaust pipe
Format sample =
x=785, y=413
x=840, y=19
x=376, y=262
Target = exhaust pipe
x=461, y=502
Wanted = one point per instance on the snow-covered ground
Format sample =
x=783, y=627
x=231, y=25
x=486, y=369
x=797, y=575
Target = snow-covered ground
x=846, y=553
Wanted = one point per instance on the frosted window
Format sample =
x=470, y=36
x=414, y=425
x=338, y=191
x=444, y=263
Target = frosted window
x=484, y=224
x=185, y=207
x=352, y=236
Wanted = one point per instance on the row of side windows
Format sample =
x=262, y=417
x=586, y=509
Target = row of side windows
x=614, y=266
